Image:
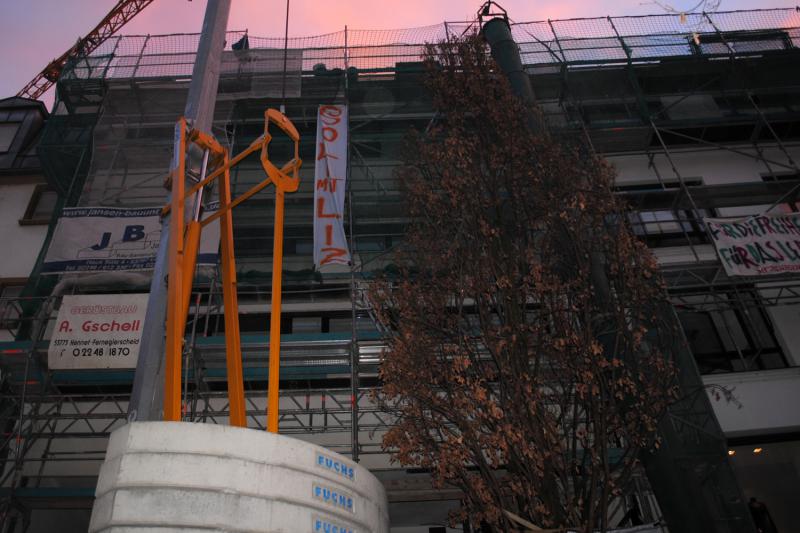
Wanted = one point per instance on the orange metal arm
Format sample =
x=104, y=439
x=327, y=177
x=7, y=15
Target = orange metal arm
x=256, y=145
x=233, y=347
x=175, y=287
x=279, y=177
x=253, y=190
x=273, y=403
x=283, y=122
x=283, y=184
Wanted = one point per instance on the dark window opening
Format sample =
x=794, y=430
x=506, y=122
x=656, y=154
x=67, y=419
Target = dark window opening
x=41, y=206
x=665, y=227
x=8, y=132
x=729, y=331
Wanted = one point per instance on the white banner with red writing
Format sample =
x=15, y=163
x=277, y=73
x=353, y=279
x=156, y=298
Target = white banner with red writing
x=330, y=171
x=97, y=331
x=757, y=245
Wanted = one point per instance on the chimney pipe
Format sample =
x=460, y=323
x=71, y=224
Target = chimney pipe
x=505, y=52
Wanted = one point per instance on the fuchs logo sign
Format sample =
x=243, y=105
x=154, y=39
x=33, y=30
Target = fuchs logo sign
x=101, y=239
x=329, y=525
x=334, y=497
x=337, y=466
x=97, y=331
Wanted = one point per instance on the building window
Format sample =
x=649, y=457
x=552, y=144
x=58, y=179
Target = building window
x=41, y=206
x=302, y=324
x=728, y=331
x=792, y=205
x=7, y=133
x=665, y=227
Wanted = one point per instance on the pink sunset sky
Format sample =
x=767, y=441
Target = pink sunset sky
x=32, y=32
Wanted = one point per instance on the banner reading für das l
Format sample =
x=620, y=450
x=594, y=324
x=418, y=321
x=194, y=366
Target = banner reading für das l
x=757, y=245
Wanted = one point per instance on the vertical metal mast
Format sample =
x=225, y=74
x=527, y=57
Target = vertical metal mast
x=355, y=352
x=148, y=385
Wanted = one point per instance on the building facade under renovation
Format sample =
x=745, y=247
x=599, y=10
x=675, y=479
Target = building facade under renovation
x=699, y=114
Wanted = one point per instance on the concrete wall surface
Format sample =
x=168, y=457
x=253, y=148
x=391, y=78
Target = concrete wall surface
x=763, y=402
x=178, y=476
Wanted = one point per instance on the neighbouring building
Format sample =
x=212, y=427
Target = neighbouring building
x=27, y=203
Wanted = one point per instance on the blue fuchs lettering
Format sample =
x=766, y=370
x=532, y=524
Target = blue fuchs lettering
x=334, y=497
x=324, y=526
x=336, y=466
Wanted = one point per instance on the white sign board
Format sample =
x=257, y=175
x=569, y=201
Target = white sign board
x=757, y=245
x=97, y=331
x=330, y=172
x=101, y=239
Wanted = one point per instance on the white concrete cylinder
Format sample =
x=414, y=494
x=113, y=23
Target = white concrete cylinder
x=203, y=478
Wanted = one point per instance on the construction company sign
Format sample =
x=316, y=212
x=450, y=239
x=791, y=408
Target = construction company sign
x=102, y=239
x=97, y=331
x=757, y=245
x=330, y=171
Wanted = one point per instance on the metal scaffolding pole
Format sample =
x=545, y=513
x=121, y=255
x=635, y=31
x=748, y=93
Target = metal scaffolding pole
x=148, y=386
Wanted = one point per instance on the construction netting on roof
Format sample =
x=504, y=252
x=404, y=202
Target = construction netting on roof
x=601, y=39
x=157, y=56
x=649, y=36
x=131, y=140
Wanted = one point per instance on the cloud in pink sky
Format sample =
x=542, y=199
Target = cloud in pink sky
x=32, y=32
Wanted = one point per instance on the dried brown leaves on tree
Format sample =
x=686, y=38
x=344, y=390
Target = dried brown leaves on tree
x=523, y=361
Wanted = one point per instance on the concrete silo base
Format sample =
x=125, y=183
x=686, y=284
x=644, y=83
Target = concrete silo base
x=177, y=476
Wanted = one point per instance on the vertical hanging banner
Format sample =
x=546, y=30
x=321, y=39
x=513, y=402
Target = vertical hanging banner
x=330, y=171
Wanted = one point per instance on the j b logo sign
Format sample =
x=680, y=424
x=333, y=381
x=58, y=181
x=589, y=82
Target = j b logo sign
x=96, y=239
x=132, y=233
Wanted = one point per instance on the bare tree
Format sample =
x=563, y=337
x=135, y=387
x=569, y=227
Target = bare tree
x=523, y=361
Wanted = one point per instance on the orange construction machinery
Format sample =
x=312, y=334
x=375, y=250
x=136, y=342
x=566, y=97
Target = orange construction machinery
x=184, y=242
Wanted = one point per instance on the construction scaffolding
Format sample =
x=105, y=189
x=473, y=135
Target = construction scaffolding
x=660, y=96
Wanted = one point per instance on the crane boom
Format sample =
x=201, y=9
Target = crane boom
x=119, y=15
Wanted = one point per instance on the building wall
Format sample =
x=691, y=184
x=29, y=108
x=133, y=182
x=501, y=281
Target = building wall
x=720, y=167
x=754, y=408
x=714, y=166
x=761, y=403
x=21, y=244
x=785, y=320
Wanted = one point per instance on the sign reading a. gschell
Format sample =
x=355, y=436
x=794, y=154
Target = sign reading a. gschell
x=97, y=331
